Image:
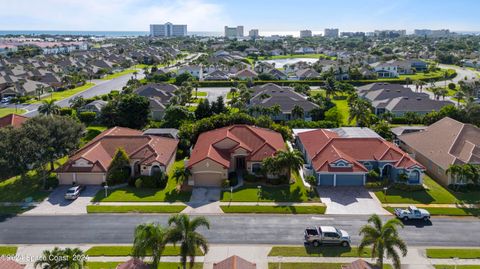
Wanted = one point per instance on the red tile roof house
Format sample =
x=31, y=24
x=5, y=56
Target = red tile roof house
x=345, y=161
x=232, y=148
x=147, y=153
x=13, y=120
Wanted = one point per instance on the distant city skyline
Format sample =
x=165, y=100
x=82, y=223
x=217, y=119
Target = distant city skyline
x=268, y=16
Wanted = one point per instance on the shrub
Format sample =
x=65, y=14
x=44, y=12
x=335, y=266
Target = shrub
x=138, y=183
x=66, y=111
x=464, y=187
x=87, y=117
x=225, y=183
x=373, y=175
x=51, y=182
x=118, y=176
x=375, y=184
x=407, y=187
x=158, y=180
x=251, y=178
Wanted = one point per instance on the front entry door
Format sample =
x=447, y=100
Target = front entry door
x=241, y=163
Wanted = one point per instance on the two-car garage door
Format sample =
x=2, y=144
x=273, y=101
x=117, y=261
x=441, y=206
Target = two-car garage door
x=341, y=180
x=81, y=178
x=208, y=179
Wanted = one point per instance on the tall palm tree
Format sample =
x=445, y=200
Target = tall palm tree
x=150, y=239
x=183, y=231
x=47, y=260
x=459, y=95
x=73, y=258
x=360, y=111
x=49, y=107
x=289, y=160
x=297, y=112
x=384, y=239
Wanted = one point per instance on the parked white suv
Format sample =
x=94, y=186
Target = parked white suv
x=73, y=192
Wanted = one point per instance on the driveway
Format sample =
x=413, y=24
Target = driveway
x=350, y=201
x=55, y=204
x=204, y=201
x=214, y=92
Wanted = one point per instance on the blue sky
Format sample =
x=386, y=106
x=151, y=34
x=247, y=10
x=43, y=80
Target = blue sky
x=266, y=15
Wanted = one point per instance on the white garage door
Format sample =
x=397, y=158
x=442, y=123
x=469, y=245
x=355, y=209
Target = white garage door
x=208, y=179
x=89, y=179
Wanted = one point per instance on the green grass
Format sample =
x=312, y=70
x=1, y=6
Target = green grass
x=12, y=210
x=447, y=211
x=7, y=250
x=163, y=265
x=341, y=104
x=289, y=56
x=442, y=266
x=119, y=74
x=295, y=192
x=274, y=209
x=447, y=253
x=135, y=209
x=92, y=132
x=199, y=93
x=6, y=111
x=132, y=194
x=324, y=251
x=121, y=251
x=312, y=266
x=65, y=94
x=435, y=194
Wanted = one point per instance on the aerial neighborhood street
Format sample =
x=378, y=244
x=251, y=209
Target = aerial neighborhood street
x=174, y=148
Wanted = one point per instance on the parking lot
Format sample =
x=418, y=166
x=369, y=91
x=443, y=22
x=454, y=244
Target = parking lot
x=56, y=204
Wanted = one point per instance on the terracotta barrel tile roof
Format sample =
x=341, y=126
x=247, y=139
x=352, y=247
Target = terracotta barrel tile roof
x=13, y=120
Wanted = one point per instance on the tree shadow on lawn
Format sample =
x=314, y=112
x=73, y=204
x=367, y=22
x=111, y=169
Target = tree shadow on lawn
x=281, y=194
x=421, y=196
x=333, y=251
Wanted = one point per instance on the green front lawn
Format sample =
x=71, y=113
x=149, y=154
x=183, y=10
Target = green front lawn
x=7, y=250
x=66, y=93
x=135, y=209
x=295, y=192
x=442, y=266
x=132, y=194
x=199, y=94
x=121, y=251
x=163, y=265
x=435, y=194
x=274, y=209
x=324, y=251
x=447, y=211
x=312, y=266
x=119, y=74
x=12, y=210
x=6, y=111
x=450, y=253
x=343, y=108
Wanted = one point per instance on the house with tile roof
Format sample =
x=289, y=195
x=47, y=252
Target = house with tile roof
x=147, y=153
x=232, y=148
x=13, y=120
x=159, y=95
x=337, y=160
x=442, y=144
x=234, y=262
x=268, y=95
x=10, y=264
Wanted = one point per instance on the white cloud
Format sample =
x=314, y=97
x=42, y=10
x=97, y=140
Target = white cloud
x=120, y=15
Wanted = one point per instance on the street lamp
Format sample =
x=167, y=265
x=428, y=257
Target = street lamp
x=385, y=192
x=455, y=260
x=231, y=193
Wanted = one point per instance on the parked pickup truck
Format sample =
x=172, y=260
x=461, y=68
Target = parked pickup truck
x=412, y=212
x=326, y=235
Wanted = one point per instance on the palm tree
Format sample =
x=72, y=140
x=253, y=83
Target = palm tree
x=49, y=107
x=48, y=261
x=360, y=111
x=181, y=174
x=297, y=112
x=384, y=239
x=73, y=258
x=183, y=231
x=275, y=110
x=330, y=87
x=459, y=95
x=150, y=239
x=289, y=160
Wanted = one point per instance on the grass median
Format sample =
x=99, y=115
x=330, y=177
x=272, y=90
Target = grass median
x=260, y=209
x=8, y=250
x=135, y=209
x=324, y=251
x=123, y=251
x=163, y=265
x=450, y=253
x=6, y=111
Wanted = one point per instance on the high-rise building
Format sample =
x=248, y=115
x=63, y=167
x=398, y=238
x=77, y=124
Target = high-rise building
x=253, y=33
x=352, y=34
x=432, y=33
x=233, y=32
x=305, y=33
x=330, y=32
x=168, y=30
x=390, y=33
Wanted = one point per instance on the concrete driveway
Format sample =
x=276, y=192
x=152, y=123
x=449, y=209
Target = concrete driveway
x=350, y=201
x=214, y=92
x=55, y=204
x=204, y=200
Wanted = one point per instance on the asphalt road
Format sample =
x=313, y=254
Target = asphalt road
x=225, y=229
